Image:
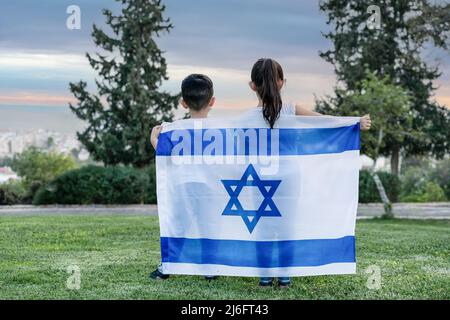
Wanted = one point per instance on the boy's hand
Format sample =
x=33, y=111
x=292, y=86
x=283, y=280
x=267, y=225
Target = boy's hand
x=155, y=135
x=365, y=122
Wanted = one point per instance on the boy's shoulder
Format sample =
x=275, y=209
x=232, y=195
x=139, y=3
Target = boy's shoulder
x=177, y=125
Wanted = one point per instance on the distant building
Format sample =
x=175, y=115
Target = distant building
x=12, y=142
x=7, y=174
x=367, y=163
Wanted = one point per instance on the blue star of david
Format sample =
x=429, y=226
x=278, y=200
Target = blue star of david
x=251, y=179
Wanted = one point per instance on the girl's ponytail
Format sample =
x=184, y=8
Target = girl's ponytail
x=266, y=74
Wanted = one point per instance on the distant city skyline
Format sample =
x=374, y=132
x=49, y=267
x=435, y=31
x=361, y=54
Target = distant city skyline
x=14, y=142
x=39, y=56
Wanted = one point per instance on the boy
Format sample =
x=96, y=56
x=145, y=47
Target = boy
x=198, y=97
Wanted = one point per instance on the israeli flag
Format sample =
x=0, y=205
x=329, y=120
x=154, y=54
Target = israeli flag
x=238, y=199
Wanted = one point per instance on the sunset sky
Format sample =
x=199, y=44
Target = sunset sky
x=39, y=56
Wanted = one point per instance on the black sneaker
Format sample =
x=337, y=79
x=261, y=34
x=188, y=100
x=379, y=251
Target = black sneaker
x=284, y=283
x=158, y=275
x=265, y=282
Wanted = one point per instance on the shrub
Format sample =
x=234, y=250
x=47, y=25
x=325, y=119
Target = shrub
x=412, y=179
x=124, y=185
x=37, y=168
x=429, y=192
x=441, y=175
x=368, y=191
x=426, y=183
x=150, y=195
x=12, y=192
x=5, y=162
x=100, y=185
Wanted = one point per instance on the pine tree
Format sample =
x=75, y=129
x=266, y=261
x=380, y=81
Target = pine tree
x=394, y=50
x=129, y=101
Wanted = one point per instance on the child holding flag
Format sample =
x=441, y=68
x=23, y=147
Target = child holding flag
x=197, y=97
x=267, y=80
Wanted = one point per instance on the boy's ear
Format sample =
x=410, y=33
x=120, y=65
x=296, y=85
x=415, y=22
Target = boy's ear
x=252, y=86
x=184, y=104
x=212, y=101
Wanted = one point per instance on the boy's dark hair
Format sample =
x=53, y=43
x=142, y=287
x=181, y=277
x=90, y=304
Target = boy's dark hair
x=197, y=90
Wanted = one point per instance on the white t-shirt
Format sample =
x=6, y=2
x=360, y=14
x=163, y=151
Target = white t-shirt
x=286, y=109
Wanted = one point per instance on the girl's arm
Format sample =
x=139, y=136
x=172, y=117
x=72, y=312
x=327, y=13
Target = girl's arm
x=366, y=122
x=302, y=111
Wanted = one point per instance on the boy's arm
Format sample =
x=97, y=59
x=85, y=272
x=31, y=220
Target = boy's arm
x=365, y=124
x=154, y=135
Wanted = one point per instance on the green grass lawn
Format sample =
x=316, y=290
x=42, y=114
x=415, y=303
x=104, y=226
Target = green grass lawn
x=116, y=253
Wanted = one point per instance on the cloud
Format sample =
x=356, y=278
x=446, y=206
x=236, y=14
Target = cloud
x=41, y=60
x=234, y=34
x=34, y=98
x=215, y=33
x=220, y=38
x=31, y=25
x=39, y=56
x=30, y=78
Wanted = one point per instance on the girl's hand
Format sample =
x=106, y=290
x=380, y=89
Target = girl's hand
x=365, y=122
x=155, y=135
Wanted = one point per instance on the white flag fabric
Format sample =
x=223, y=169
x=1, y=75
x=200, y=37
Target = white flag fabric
x=236, y=198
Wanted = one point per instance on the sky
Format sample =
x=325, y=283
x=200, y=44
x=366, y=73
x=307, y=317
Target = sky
x=39, y=55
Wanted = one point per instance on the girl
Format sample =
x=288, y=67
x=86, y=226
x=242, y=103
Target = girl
x=267, y=81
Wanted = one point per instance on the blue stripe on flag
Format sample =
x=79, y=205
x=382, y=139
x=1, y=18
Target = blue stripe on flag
x=291, y=141
x=258, y=254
